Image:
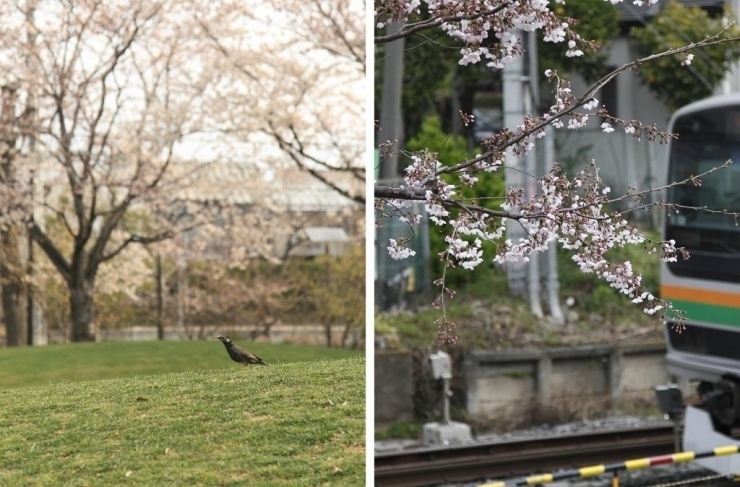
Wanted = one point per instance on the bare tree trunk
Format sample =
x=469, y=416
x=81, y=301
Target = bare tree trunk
x=11, y=262
x=267, y=322
x=345, y=335
x=83, y=310
x=13, y=298
x=13, y=289
x=327, y=333
x=181, y=283
x=268, y=326
x=356, y=337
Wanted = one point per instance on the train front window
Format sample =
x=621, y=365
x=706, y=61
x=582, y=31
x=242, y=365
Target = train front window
x=707, y=139
x=718, y=191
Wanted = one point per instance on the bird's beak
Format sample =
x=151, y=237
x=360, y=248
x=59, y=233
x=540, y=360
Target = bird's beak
x=215, y=337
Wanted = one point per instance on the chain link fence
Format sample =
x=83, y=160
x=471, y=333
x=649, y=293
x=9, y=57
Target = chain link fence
x=400, y=284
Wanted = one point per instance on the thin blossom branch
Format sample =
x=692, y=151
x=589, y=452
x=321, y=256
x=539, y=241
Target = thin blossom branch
x=410, y=29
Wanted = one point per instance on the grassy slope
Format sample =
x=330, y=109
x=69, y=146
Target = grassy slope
x=288, y=424
x=490, y=318
x=90, y=361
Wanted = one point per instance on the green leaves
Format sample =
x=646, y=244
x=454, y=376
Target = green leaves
x=598, y=22
x=488, y=191
x=677, y=26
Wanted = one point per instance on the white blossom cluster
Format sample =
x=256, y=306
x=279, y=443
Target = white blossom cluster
x=398, y=251
x=566, y=210
x=473, y=22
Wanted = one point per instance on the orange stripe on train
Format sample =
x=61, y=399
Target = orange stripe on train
x=704, y=296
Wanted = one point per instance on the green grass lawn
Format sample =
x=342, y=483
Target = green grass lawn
x=290, y=424
x=106, y=360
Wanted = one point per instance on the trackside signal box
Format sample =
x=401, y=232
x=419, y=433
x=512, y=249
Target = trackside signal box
x=445, y=432
x=441, y=365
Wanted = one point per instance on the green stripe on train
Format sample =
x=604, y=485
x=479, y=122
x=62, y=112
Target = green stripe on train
x=709, y=313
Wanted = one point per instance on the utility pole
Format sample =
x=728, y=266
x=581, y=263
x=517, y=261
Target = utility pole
x=30, y=318
x=513, y=87
x=391, y=122
x=521, y=98
x=531, y=104
x=550, y=269
x=160, y=300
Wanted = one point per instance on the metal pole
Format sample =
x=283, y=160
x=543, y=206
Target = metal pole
x=160, y=318
x=530, y=98
x=29, y=290
x=447, y=395
x=391, y=122
x=551, y=271
x=513, y=88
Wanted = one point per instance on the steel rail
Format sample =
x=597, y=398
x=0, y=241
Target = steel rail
x=422, y=467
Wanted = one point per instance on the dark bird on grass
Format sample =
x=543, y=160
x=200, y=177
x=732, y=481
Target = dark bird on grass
x=238, y=354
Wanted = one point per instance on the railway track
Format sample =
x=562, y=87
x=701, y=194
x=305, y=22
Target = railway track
x=422, y=467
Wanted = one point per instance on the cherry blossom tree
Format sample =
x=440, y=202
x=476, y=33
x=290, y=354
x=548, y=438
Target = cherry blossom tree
x=112, y=110
x=295, y=83
x=116, y=294
x=104, y=92
x=572, y=211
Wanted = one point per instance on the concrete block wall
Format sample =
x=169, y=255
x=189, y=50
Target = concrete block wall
x=501, y=383
x=517, y=383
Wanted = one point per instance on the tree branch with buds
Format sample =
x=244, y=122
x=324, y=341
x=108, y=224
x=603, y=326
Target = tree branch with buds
x=570, y=210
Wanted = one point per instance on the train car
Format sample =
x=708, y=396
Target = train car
x=707, y=285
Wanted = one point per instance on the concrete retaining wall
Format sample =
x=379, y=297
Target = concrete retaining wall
x=527, y=385
x=502, y=383
x=394, y=388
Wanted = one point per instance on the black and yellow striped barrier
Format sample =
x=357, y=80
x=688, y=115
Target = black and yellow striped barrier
x=594, y=470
